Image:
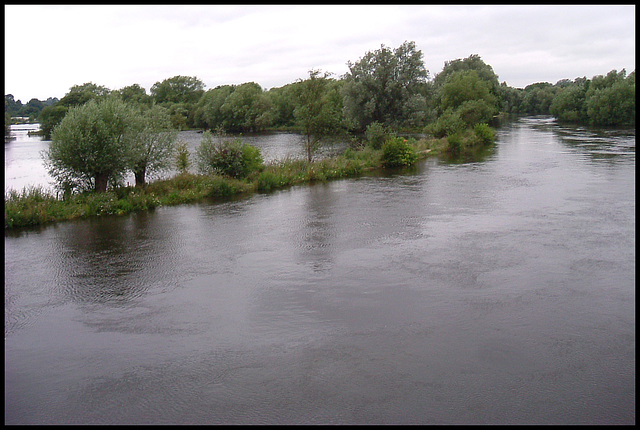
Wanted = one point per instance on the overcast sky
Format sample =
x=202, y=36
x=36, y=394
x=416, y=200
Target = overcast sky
x=48, y=49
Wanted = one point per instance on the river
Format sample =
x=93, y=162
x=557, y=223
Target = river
x=494, y=291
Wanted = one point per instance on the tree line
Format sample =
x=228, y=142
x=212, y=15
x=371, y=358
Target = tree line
x=388, y=86
x=98, y=134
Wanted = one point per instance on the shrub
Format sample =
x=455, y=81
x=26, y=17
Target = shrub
x=455, y=143
x=449, y=123
x=376, y=134
x=234, y=159
x=182, y=157
x=484, y=134
x=397, y=152
x=473, y=112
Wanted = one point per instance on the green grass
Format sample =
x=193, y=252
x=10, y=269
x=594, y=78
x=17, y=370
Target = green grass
x=35, y=206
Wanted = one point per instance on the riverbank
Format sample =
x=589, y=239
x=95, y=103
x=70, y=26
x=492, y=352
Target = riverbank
x=36, y=206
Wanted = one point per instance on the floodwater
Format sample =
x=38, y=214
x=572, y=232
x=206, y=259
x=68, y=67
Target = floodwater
x=494, y=291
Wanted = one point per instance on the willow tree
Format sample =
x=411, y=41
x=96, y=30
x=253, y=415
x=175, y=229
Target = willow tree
x=386, y=86
x=152, y=140
x=89, y=148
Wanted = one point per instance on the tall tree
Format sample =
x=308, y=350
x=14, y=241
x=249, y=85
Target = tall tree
x=385, y=86
x=178, y=89
x=179, y=94
x=134, y=94
x=318, y=110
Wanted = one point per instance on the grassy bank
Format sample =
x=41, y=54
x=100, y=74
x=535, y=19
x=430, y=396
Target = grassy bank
x=35, y=206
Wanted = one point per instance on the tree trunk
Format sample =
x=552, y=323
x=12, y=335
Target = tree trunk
x=101, y=182
x=309, y=149
x=140, y=177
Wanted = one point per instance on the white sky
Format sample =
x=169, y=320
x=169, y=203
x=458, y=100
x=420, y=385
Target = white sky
x=50, y=48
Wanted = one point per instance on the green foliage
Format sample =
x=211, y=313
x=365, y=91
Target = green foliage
x=37, y=207
x=537, y=98
x=179, y=94
x=455, y=143
x=49, y=118
x=27, y=208
x=376, y=134
x=7, y=124
x=464, y=86
x=134, y=94
x=178, y=89
x=447, y=124
x=397, y=152
x=81, y=94
x=153, y=144
x=234, y=159
x=318, y=110
x=467, y=93
x=611, y=100
x=89, y=147
x=386, y=86
x=473, y=112
x=569, y=104
x=484, y=133
x=241, y=108
x=473, y=62
x=182, y=157
x=282, y=104
x=208, y=111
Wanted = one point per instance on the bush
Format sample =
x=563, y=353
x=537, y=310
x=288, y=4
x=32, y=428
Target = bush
x=473, y=112
x=449, y=123
x=182, y=157
x=455, y=143
x=397, y=152
x=234, y=159
x=376, y=134
x=484, y=134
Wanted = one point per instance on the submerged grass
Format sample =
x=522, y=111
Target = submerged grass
x=36, y=206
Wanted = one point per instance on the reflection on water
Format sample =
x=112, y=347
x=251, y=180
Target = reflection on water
x=498, y=291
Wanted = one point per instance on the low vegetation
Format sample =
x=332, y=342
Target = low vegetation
x=35, y=206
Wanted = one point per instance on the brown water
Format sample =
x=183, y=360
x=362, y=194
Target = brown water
x=498, y=291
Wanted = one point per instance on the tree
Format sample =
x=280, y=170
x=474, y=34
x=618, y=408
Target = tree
x=463, y=86
x=81, y=94
x=178, y=89
x=569, y=103
x=282, y=102
x=472, y=62
x=152, y=147
x=240, y=108
x=134, y=94
x=318, y=110
x=386, y=86
x=208, y=110
x=78, y=95
x=467, y=89
x=50, y=117
x=89, y=147
x=537, y=98
x=610, y=99
x=179, y=94
x=182, y=157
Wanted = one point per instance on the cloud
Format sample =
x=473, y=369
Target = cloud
x=48, y=49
